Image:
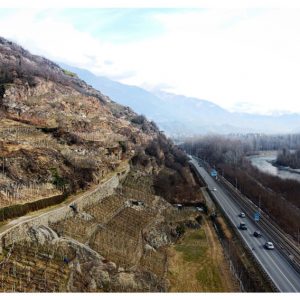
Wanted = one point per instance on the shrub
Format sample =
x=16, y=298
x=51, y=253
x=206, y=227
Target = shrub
x=69, y=73
x=57, y=180
x=180, y=229
x=139, y=119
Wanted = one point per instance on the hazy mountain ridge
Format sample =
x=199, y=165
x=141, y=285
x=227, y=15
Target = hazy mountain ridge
x=179, y=115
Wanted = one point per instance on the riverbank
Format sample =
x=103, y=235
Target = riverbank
x=265, y=161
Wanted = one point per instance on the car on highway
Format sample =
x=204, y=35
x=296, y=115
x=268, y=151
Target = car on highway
x=242, y=215
x=213, y=189
x=199, y=208
x=257, y=234
x=269, y=246
x=243, y=226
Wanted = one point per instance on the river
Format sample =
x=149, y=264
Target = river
x=264, y=162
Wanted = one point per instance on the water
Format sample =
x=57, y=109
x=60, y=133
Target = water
x=263, y=162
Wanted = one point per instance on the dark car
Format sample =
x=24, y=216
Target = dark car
x=257, y=234
x=243, y=226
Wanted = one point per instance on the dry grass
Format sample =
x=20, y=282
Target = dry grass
x=197, y=264
x=174, y=215
x=224, y=228
x=155, y=261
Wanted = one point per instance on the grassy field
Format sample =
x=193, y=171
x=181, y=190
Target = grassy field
x=197, y=263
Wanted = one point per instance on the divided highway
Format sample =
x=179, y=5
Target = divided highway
x=280, y=271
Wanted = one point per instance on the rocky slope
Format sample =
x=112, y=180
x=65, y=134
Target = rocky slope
x=59, y=136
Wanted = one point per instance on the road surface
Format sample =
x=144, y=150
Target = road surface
x=283, y=275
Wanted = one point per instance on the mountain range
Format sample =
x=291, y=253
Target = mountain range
x=180, y=116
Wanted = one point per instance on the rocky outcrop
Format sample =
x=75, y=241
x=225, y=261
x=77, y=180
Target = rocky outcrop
x=41, y=234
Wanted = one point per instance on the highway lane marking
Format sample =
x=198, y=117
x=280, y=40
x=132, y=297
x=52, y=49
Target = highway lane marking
x=282, y=273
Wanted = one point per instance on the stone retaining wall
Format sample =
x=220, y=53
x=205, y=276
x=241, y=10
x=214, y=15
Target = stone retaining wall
x=19, y=231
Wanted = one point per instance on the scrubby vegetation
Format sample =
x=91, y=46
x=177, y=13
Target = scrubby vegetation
x=173, y=180
x=289, y=159
x=69, y=73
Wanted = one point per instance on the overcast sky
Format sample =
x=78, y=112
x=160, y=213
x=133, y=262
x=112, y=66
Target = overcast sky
x=243, y=60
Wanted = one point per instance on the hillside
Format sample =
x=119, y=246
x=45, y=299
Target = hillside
x=65, y=134
x=91, y=181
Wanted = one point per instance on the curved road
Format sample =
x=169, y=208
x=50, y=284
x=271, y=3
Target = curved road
x=283, y=275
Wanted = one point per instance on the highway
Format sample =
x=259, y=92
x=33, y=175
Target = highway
x=280, y=271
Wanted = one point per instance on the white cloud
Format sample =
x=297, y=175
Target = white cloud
x=227, y=57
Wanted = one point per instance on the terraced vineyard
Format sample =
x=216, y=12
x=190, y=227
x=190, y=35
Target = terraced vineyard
x=139, y=182
x=129, y=231
x=107, y=209
x=121, y=239
x=76, y=228
x=30, y=267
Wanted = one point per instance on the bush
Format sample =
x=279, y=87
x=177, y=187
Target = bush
x=180, y=229
x=139, y=119
x=69, y=73
x=57, y=180
x=140, y=158
x=123, y=146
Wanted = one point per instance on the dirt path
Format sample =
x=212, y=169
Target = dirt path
x=37, y=214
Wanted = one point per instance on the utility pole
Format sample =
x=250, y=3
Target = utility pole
x=235, y=183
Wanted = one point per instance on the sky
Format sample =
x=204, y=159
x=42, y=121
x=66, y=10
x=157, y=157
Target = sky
x=241, y=59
